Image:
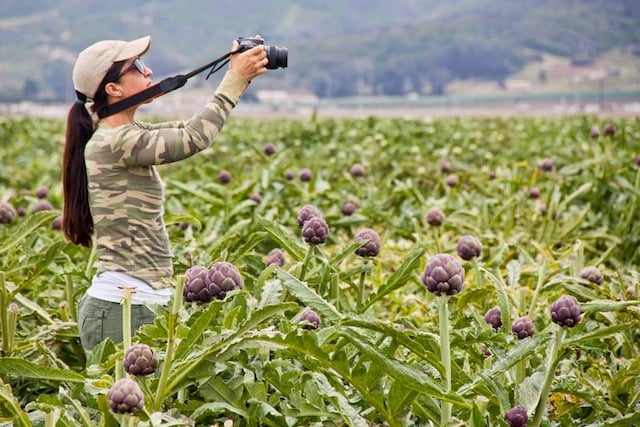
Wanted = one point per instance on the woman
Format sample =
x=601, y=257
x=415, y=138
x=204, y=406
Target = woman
x=113, y=196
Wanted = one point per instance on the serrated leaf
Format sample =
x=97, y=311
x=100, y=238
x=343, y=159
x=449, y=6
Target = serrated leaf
x=347, y=412
x=282, y=237
x=25, y=369
x=398, y=279
x=599, y=334
x=529, y=390
x=26, y=229
x=309, y=297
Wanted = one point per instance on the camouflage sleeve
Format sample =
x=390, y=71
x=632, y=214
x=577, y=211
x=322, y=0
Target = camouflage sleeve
x=143, y=144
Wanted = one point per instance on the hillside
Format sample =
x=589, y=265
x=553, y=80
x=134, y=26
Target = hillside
x=336, y=48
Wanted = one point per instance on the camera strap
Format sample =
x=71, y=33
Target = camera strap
x=165, y=86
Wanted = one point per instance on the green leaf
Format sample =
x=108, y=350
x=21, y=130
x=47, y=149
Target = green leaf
x=20, y=418
x=398, y=279
x=26, y=229
x=607, y=306
x=24, y=369
x=599, y=334
x=347, y=411
x=503, y=298
x=282, y=237
x=309, y=297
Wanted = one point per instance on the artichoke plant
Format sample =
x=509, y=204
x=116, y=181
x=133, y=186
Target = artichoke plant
x=315, y=231
x=306, y=175
x=357, y=170
x=140, y=360
x=516, y=417
x=269, y=149
x=443, y=275
x=372, y=244
x=125, y=397
x=468, y=247
x=201, y=285
x=224, y=177
x=523, y=328
x=348, y=208
x=566, y=311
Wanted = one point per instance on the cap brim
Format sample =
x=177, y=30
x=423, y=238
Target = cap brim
x=134, y=48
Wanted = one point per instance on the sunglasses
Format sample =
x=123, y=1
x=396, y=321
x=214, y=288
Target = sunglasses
x=137, y=65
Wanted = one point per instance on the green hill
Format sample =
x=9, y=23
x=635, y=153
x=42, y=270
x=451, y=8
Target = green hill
x=337, y=48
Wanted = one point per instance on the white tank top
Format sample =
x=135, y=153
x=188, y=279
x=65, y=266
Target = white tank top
x=108, y=286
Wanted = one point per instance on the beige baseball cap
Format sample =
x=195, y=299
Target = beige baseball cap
x=94, y=62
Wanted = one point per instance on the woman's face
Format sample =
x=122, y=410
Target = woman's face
x=135, y=77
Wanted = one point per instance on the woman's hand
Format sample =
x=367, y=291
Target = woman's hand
x=250, y=63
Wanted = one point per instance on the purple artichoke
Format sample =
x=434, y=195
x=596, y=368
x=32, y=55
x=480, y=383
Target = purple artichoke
x=202, y=285
x=315, y=230
x=435, y=217
x=591, y=274
x=594, y=132
x=547, y=164
x=523, y=328
x=43, y=205
x=348, y=208
x=306, y=175
x=534, y=193
x=140, y=359
x=307, y=212
x=357, y=170
x=224, y=177
x=372, y=246
x=566, y=311
x=452, y=180
x=609, y=129
x=310, y=319
x=493, y=317
x=125, y=397
x=516, y=417
x=7, y=213
x=443, y=275
x=269, y=149
x=275, y=256
x=468, y=247
x=42, y=192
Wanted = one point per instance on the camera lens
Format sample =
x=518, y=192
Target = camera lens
x=277, y=57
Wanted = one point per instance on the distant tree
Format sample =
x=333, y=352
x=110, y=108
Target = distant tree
x=30, y=90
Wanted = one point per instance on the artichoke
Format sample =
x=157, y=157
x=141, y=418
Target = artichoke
x=609, y=129
x=445, y=166
x=452, y=180
x=7, y=213
x=269, y=149
x=534, y=193
x=435, y=217
x=591, y=274
x=357, y=170
x=140, y=359
x=372, y=245
x=310, y=319
x=307, y=212
x=42, y=192
x=348, y=208
x=516, y=417
x=547, y=165
x=315, y=230
x=275, y=256
x=594, y=132
x=125, y=397
x=306, y=175
x=202, y=285
x=493, y=317
x=443, y=275
x=566, y=311
x=224, y=177
x=288, y=175
x=523, y=328
x=468, y=247
x=43, y=205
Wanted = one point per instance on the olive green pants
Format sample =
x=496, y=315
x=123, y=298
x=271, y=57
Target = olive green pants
x=99, y=319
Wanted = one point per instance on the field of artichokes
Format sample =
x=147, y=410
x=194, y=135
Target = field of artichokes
x=374, y=272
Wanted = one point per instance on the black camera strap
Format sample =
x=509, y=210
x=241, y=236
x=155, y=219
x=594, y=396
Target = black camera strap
x=165, y=86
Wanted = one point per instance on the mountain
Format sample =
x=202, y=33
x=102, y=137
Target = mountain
x=336, y=48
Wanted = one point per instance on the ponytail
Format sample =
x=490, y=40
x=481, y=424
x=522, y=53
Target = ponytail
x=77, y=222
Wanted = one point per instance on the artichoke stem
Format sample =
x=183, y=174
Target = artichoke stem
x=552, y=363
x=445, y=356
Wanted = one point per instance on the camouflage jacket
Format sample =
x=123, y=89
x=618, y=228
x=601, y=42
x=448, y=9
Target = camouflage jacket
x=125, y=191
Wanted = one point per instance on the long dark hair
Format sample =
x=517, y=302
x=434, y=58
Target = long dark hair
x=77, y=222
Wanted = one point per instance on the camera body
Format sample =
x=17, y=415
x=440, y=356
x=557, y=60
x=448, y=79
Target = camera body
x=277, y=56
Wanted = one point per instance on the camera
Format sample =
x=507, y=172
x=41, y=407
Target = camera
x=277, y=56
